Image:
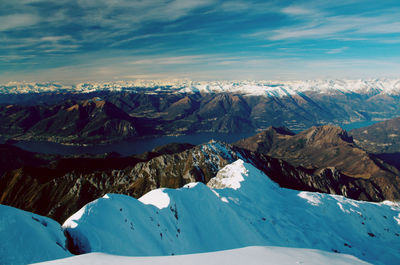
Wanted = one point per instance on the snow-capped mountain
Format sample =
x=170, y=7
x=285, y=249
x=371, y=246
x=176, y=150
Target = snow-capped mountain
x=240, y=207
x=150, y=109
x=270, y=88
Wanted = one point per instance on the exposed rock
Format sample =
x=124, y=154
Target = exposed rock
x=333, y=162
x=61, y=189
x=382, y=137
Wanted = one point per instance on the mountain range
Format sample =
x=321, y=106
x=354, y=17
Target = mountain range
x=114, y=112
x=248, y=87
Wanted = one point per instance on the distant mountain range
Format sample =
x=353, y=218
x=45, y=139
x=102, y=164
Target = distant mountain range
x=273, y=88
x=111, y=112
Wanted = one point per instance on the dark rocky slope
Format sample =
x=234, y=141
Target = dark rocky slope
x=90, y=121
x=329, y=148
x=62, y=187
x=382, y=137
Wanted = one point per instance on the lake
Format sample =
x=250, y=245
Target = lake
x=358, y=124
x=132, y=147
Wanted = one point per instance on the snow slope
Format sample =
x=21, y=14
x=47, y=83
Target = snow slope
x=242, y=208
x=27, y=237
x=248, y=255
x=268, y=88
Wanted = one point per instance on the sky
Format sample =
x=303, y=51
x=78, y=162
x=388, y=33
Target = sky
x=106, y=40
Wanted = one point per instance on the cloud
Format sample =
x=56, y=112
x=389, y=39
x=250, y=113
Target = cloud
x=145, y=76
x=12, y=22
x=319, y=24
x=92, y=24
x=297, y=10
x=55, y=38
x=170, y=60
x=336, y=51
x=184, y=37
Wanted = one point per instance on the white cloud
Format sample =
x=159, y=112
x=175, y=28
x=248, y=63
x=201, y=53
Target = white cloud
x=56, y=38
x=336, y=51
x=10, y=22
x=319, y=24
x=297, y=10
x=169, y=60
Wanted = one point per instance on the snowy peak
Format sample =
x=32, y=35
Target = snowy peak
x=242, y=177
x=230, y=176
x=268, y=88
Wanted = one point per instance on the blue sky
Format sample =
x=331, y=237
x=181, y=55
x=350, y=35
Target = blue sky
x=82, y=40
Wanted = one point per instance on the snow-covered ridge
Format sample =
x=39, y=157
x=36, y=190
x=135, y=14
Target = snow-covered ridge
x=269, y=88
x=248, y=209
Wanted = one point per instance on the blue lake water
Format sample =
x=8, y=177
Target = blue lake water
x=132, y=147
x=359, y=124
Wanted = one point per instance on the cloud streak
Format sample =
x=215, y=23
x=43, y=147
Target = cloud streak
x=191, y=37
x=15, y=21
x=317, y=24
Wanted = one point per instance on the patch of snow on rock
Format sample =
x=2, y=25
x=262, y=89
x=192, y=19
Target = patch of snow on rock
x=230, y=176
x=190, y=185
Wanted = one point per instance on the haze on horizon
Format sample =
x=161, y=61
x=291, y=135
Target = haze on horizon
x=80, y=40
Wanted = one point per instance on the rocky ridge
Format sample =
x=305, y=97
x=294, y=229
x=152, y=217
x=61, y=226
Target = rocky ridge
x=61, y=189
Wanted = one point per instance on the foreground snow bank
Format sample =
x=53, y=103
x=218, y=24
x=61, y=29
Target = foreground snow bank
x=248, y=209
x=248, y=255
x=27, y=237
